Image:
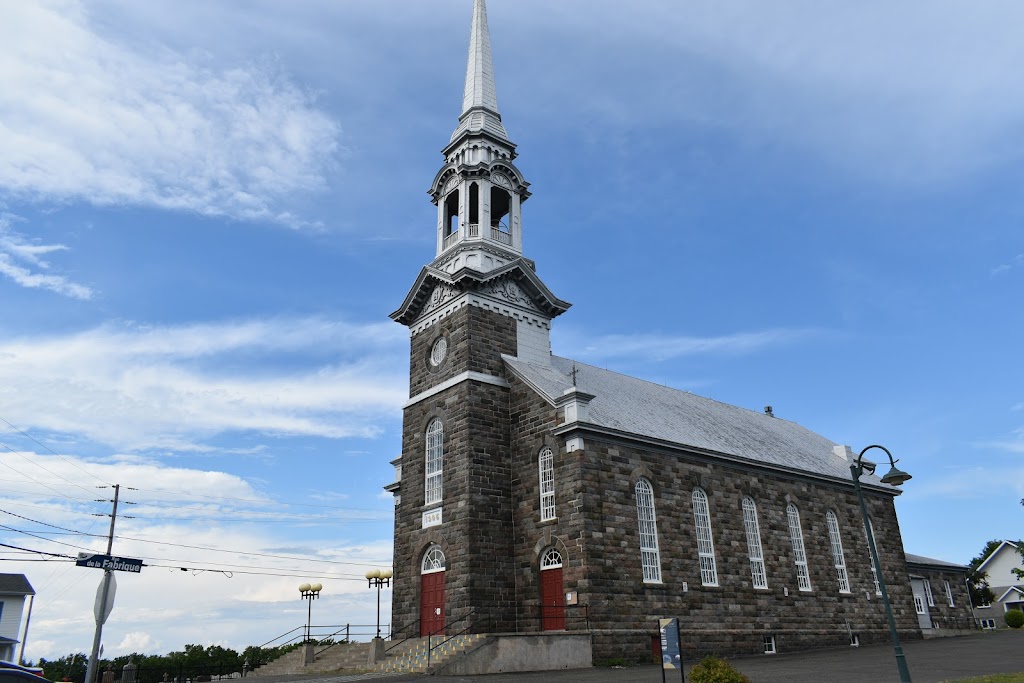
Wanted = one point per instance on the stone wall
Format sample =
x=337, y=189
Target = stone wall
x=596, y=530
x=476, y=505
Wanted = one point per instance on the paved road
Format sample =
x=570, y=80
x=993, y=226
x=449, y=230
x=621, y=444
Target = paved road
x=930, y=661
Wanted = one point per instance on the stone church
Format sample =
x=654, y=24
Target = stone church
x=536, y=493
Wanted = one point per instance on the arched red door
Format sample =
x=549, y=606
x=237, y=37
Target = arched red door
x=432, y=592
x=552, y=597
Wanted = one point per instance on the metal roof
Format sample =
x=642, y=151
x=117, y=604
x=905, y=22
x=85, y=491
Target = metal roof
x=638, y=408
x=480, y=99
x=932, y=562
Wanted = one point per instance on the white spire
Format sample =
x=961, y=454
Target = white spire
x=480, y=101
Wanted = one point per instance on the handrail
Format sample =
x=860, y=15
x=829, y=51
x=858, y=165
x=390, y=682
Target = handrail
x=431, y=648
x=346, y=628
x=260, y=647
x=414, y=622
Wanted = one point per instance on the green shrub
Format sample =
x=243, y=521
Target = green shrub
x=1015, y=618
x=715, y=670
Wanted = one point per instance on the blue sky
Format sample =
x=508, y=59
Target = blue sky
x=207, y=212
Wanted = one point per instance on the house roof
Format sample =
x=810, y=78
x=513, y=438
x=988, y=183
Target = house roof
x=1004, y=544
x=932, y=562
x=1009, y=590
x=15, y=584
x=633, y=408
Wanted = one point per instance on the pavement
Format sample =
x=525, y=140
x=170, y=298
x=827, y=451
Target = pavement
x=930, y=661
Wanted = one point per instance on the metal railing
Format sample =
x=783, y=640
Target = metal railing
x=470, y=623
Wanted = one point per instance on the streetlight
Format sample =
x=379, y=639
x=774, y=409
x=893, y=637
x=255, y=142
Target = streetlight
x=895, y=477
x=379, y=578
x=310, y=592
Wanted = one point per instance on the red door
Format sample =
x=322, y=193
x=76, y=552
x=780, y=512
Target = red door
x=431, y=603
x=552, y=600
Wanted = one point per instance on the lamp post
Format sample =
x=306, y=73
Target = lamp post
x=895, y=477
x=310, y=592
x=379, y=578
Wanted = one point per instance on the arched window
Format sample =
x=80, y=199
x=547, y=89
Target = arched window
x=433, y=560
x=434, y=463
x=757, y=572
x=650, y=558
x=871, y=560
x=552, y=559
x=546, y=467
x=705, y=542
x=451, y=213
x=796, y=537
x=836, y=541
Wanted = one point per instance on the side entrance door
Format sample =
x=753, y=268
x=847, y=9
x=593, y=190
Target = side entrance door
x=552, y=599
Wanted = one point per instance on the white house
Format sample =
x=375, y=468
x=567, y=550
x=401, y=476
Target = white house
x=1006, y=586
x=14, y=588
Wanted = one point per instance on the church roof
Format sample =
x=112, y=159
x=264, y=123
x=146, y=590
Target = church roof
x=635, y=408
x=932, y=562
x=480, y=99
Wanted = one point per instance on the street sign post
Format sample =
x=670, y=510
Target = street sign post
x=121, y=564
x=671, y=648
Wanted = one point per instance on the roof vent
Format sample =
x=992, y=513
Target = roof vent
x=768, y=411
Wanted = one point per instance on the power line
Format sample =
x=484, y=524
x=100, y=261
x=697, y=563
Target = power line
x=59, y=493
x=68, y=461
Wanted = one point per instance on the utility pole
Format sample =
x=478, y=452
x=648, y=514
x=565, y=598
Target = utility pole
x=90, y=673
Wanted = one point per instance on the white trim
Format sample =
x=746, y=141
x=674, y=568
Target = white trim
x=769, y=645
x=546, y=474
x=458, y=379
x=796, y=539
x=433, y=551
x=552, y=559
x=838, y=557
x=755, y=553
x=928, y=592
x=705, y=537
x=647, y=525
x=994, y=553
x=1008, y=591
x=949, y=593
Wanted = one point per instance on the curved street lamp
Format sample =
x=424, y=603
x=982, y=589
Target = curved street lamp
x=379, y=578
x=894, y=477
x=310, y=592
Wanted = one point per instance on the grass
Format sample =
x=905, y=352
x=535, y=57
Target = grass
x=993, y=678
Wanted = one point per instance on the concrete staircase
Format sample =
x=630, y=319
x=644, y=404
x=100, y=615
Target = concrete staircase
x=411, y=656
x=348, y=656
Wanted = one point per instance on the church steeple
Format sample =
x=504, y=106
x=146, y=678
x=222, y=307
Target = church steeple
x=480, y=100
x=479, y=192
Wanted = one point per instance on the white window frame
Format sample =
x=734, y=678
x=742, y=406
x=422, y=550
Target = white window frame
x=433, y=486
x=433, y=560
x=758, y=574
x=439, y=351
x=650, y=556
x=919, y=604
x=546, y=472
x=769, y=645
x=552, y=559
x=705, y=538
x=928, y=592
x=838, y=558
x=796, y=538
x=871, y=560
x=949, y=593
x=988, y=623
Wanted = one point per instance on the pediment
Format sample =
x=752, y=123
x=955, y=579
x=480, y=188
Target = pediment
x=514, y=283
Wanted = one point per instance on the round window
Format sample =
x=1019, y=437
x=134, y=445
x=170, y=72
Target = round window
x=438, y=351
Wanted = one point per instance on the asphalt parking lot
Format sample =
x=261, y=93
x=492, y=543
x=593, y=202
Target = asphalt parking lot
x=930, y=661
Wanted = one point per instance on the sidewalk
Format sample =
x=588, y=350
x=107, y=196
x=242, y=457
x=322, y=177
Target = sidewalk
x=930, y=661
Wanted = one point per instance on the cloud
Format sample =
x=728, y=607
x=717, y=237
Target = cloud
x=138, y=387
x=663, y=347
x=18, y=257
x=1002, y=268
x=83, y=118
x=241, y=599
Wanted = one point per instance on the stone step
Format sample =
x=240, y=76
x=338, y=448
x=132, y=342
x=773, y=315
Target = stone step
x=412, y=658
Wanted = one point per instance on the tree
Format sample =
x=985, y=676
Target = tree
x=977, y=582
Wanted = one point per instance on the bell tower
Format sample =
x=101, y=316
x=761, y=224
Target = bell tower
x=479, y=192
x=477, y=303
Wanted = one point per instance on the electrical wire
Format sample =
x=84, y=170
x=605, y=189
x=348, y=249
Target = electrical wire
x=68, y=461
x=48, y=471
x=59, y=493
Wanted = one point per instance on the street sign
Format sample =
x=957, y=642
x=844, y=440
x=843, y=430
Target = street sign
x=101, y=610
x=121, y=564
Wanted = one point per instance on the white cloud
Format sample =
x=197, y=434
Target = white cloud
x=83, y=118
x=18, y=257
x=157, y=610
x=662, y=347
x=135, y=387
x=1016, y=262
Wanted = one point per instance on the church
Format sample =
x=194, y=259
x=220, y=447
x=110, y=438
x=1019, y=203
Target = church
x=535, y=493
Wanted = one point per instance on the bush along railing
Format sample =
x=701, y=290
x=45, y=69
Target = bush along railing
x=473, y=619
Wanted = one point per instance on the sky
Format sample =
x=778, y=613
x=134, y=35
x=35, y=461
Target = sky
x=208, y=210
